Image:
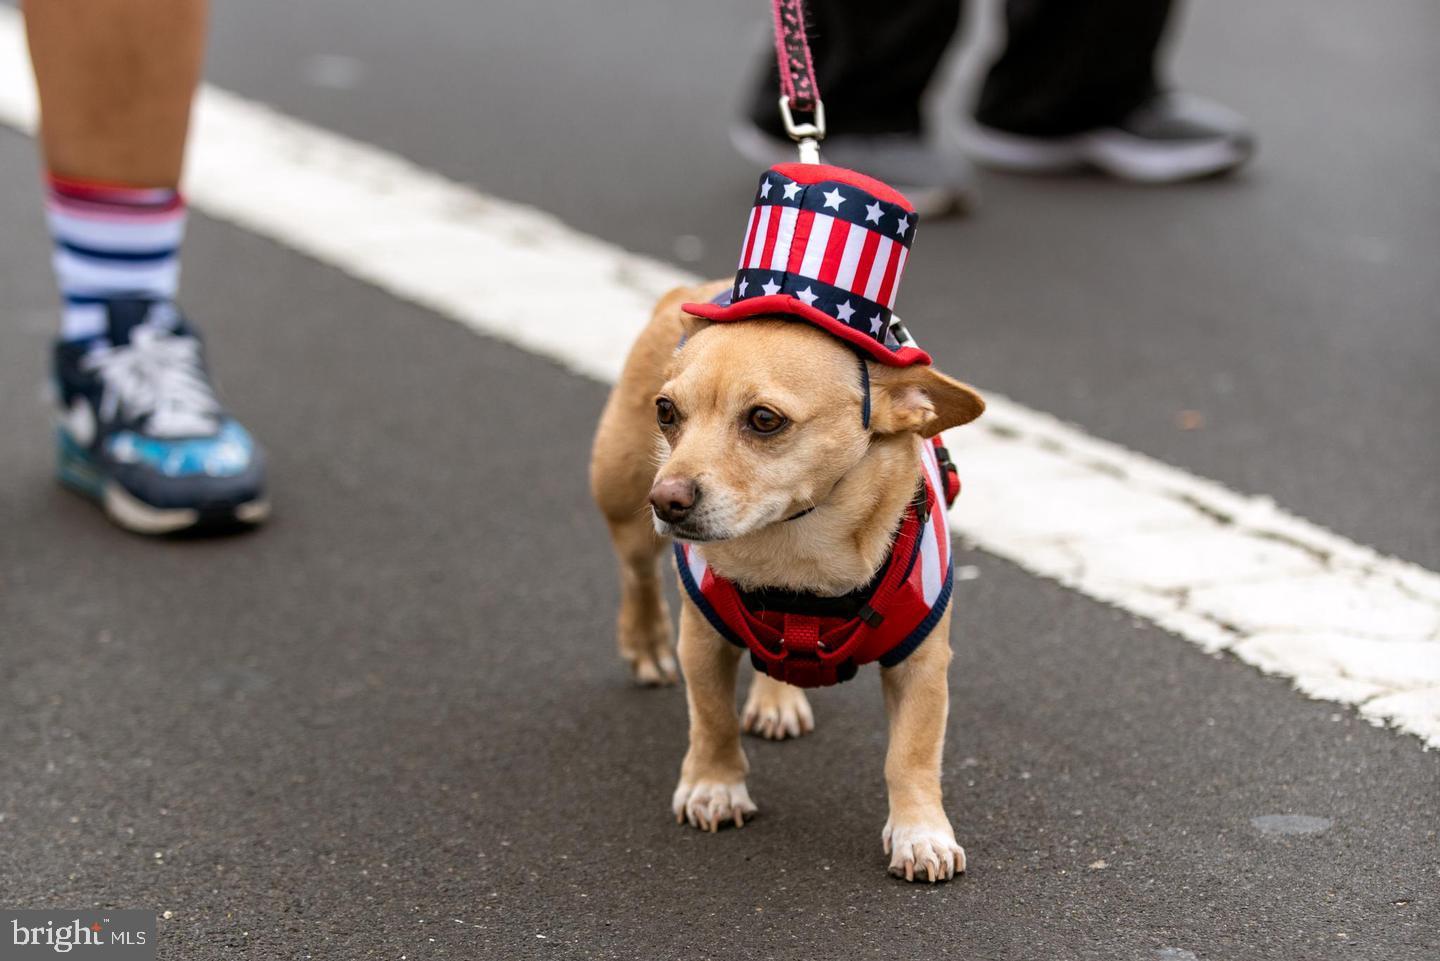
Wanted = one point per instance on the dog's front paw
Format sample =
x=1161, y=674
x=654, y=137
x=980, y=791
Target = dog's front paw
x=709, y=804
x=923, y=852
x=776, y=710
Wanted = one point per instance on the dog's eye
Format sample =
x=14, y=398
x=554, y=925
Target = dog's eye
x=763, y=420
x=665, y=412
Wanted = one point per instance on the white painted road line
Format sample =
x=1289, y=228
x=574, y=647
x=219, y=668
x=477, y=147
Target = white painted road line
x=1227, y=571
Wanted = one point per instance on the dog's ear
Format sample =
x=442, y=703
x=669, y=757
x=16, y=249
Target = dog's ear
x=919, y=399
x=669, y=305
x=692, y=325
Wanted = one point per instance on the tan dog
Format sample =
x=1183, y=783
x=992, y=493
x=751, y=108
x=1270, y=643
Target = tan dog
x=720, y=442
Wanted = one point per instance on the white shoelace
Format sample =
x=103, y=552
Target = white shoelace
x=157, y=376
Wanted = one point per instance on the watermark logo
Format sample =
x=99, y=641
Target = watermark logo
x=111, y=935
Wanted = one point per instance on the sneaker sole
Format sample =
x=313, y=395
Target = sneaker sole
x=1114, y=152
x=77, y=472
x=765, y=151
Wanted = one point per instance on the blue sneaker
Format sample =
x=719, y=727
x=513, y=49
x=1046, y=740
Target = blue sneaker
x=142, y=433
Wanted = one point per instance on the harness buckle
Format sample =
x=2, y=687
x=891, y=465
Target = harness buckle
x=949, y=474
x=805, y=671
x=921, y=503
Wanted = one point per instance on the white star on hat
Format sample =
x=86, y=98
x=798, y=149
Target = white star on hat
x=845, y=311
x=743, y=285
x=873, y=213
x=792, y=190
x=770, y=287
x=902, y=226
x=807, y=295
x=875, y=324
x=765, y=187
x=833, y=199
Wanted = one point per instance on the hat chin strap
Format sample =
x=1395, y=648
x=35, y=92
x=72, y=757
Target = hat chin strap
x=865, y=391
x=864, y=420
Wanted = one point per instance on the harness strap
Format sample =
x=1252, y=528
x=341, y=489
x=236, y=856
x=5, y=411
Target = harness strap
x=803, y=667
x=907, y=544
x=799, y=653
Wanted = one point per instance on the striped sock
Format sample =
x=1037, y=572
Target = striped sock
x=112, y=241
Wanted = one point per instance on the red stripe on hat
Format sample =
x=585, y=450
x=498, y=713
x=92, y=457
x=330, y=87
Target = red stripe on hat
x=772, y=231
x=892, y=270
x=749, y=237
x=899, y=272
x=834, y=250
x=801, y=240
x=867, y=262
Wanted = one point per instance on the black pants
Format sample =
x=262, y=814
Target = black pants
x=1067, y=66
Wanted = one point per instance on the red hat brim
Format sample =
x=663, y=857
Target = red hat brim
x=787, y=306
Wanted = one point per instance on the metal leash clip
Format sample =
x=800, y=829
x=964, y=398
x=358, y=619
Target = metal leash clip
x=807, y=136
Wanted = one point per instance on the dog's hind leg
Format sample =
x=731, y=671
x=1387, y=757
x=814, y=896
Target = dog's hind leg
x=620, y=477
x=643, y=626
x=622, y=468
x=776, y=710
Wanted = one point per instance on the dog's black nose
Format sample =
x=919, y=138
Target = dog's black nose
x=673, y=498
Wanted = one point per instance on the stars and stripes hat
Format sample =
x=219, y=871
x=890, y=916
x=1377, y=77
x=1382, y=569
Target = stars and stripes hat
x=828, y=246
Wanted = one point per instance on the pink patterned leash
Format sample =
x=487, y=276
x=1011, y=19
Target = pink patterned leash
x=798, y=89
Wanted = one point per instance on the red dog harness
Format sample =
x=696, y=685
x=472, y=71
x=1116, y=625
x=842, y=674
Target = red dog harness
x=811, y=640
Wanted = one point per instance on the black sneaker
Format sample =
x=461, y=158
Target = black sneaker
x=142, y=434
x=1168, y=138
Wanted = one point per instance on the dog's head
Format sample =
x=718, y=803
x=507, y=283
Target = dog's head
x=762, y=418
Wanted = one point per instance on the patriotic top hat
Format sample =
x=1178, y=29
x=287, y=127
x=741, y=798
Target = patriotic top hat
x=825, y=245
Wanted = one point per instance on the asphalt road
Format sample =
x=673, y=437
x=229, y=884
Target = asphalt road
x=392, y=723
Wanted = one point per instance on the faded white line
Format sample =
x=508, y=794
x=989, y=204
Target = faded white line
x=1225, y=570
